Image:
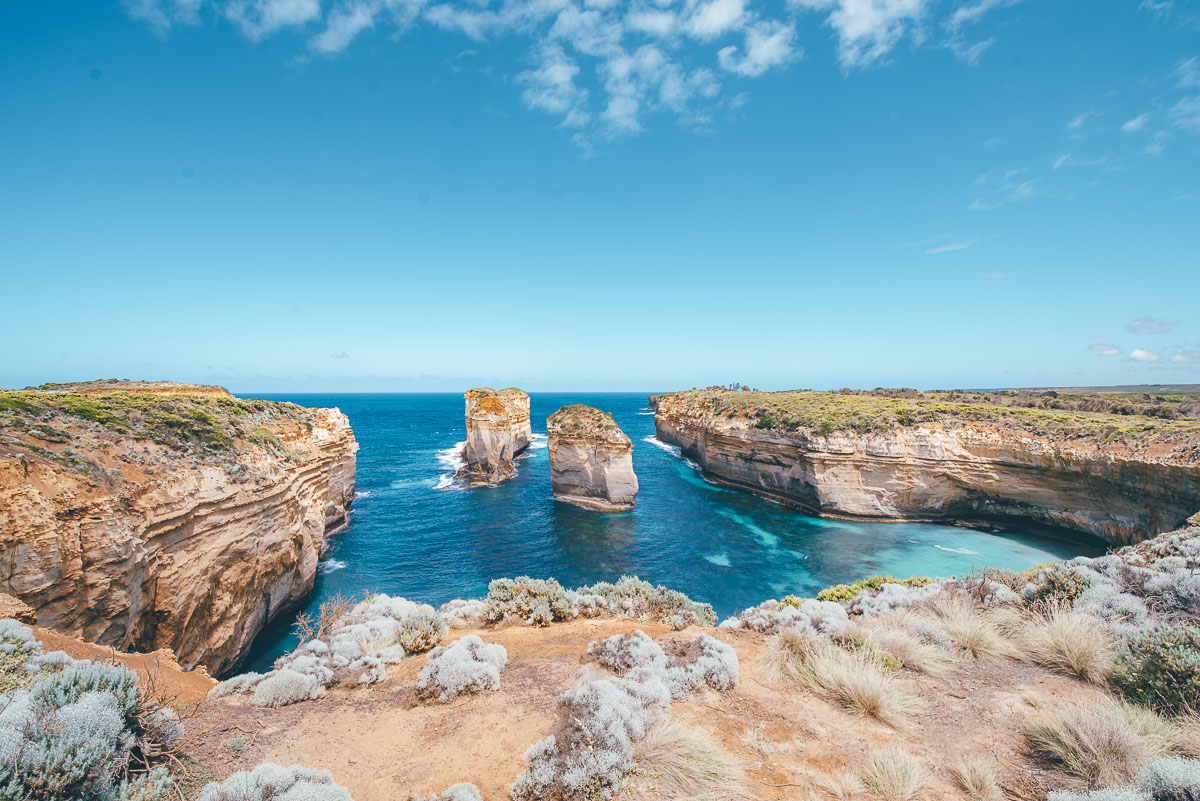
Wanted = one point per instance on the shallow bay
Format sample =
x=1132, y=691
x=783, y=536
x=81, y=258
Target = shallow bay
x=413, y=534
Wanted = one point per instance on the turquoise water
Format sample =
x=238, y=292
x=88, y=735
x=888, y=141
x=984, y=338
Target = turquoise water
x=413, y=536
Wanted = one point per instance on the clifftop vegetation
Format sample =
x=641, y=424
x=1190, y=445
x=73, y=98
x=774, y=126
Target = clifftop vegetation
x=62, y=422
x=581, y=420
x=1135, y=417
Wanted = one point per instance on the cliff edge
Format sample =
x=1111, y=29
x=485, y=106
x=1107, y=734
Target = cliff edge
x=144, y=516
x=1114, y=467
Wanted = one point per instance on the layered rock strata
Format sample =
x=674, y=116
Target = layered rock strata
x=498, y=430
x=591, y=459
x=148, y=518
x=971, y=471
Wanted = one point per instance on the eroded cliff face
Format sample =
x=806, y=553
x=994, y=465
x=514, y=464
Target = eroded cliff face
x=968, y=471
x=498, y=430
x=591, y=459
x=139, y=543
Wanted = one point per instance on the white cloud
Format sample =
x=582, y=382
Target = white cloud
x=1071, y=160
x=1187, y=74
x=1105, y=349
x=1157, y=144
x=711, y=18
x=1139, y=355
x=551, y=87
x=590, y=32
x=261, y=18
x=1186, y=114
x=1149, y=325
x=963, y=17
x=1135, y=125
x=1082, y=120
x=768, y=44
x=162, y=14
x=651, y=21
x=951, y=246
x=344, y=23
x=1185, y=356
x=867, y=29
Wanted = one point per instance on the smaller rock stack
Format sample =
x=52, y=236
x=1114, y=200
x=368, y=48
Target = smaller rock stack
x=497, y=430
x=591, y=459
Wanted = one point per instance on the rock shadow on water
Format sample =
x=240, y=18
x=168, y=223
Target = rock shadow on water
x=594, y=547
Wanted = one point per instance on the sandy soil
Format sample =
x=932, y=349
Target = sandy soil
x=382, y=746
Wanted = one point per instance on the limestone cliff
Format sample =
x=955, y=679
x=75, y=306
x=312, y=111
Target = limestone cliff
x=497, y=431
x=591, y=459
x=148, y=516
x=931, y=458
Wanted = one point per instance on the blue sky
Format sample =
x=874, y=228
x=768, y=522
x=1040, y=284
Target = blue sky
x=360, y=195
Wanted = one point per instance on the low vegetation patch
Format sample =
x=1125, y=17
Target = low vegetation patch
x=894, y=775
x=466, y=666
x=1103, y=744
x=269, y=781
x=703, y=661
x=1135, y=418
x=678, y=761
x=1161, y=668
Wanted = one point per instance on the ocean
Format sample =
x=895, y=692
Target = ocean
x=412, y=533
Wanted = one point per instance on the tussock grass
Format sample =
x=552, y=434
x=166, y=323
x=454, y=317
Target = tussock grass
x=891, y=637
x=971, y=628
x=677, y=761
x=975, y=777
x=1062, y=639
x=893, y=775
x=855, y=681
x=1104, y=744
x=840, y=786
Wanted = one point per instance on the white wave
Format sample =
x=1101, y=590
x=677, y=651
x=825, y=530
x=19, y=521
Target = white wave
x=674, y=450
x=957, y=550
x=330, y=565
x=537, y=442
x=649, y=412
x=452, y=460
x=363, y=494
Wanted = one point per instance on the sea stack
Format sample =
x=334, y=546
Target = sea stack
x=497, y=430
x=591, y=459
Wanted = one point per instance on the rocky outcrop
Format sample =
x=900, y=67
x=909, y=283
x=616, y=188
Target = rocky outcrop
x=970, y=471
x=591, y=459
x=148, y=520
x=497, y=431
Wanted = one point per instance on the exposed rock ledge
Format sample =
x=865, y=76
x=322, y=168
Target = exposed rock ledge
x=953, y=469
x=143, y=518
x=498, y=430
x=591, y=459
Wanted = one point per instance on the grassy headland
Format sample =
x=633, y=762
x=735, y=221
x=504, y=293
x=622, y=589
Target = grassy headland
x=1135, y=417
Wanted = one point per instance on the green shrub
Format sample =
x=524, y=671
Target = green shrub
x=1161, y=668
x=844, y=592
x=1060, y=585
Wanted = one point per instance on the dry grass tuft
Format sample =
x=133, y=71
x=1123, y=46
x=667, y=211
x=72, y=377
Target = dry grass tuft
x=677, y=761
x=1104, y=744
x=854, y=681
x=893, y=775
x=840, y=786
x=891, y=637
x=971, y=628
x=976, y=778
x=1062, y=639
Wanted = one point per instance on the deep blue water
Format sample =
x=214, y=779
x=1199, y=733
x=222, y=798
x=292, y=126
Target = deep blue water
x=411, y=536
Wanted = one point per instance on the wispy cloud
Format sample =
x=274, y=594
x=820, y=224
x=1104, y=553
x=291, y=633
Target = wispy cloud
x=1105, y=349
x=967, y=49
x=1077, y=123
x=1134, y=125
x=339, y=355
x=951, y=246
x=867, y=30
x=1149, y=325
x=1184, y=356
x=996, y=190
